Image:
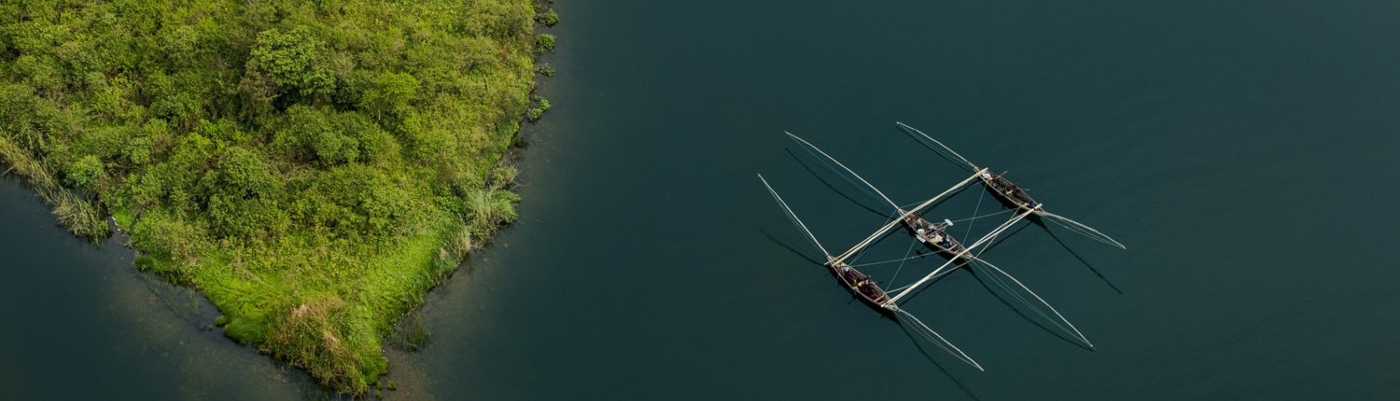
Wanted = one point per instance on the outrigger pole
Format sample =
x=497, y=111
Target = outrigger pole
x=796, y=221
x=936, y=272
x=921, y=328
x=888, y=226
x=975, y=262
x=903, y=213
x=952, y=155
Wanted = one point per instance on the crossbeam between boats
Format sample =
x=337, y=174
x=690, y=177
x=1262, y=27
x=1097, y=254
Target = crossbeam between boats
x=889, y=226
x=1003, y=227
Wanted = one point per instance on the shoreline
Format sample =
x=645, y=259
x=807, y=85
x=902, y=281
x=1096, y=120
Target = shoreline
x=315, y=319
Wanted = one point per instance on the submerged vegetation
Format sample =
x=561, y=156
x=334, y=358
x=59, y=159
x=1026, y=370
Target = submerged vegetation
x=313, y=167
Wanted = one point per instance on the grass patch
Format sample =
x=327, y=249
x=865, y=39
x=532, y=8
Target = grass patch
x=411, y=335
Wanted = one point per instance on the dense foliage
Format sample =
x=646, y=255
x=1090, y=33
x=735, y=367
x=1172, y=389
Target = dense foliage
x=312, y=166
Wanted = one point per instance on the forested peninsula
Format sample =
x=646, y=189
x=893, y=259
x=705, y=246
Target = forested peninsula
x=313, y=167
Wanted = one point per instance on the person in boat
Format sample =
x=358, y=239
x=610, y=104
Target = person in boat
x=848, y=273
x=863, y=287
x=869, y=290
x=1002, y=183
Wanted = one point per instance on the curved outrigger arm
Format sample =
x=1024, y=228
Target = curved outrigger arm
x=919, y=326
x=795, y=221
x=1081, y=229
x=810, y=146
x=954, y=156
x=946, y=152
x=933, y=337
x=1018, y=291
x=967, y=249
x=888, y=226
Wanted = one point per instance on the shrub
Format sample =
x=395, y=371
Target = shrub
x=544, y=43
x=545, y=69
x=548, y=18
x=293, y=61
x=83, y=173
x=536, y=110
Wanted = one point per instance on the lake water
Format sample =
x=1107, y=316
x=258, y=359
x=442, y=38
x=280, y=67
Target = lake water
x=1242, y=150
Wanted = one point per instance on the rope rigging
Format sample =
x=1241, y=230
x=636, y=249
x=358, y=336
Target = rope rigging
x=885, y=262
x=983, y=194
x=901, y=263
x=983, y=216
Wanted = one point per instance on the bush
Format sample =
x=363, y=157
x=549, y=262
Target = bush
x=536, y=110
x=489, y=208
x=548, y=18
x=544, y=43
x=293, y=61
x=83, y=173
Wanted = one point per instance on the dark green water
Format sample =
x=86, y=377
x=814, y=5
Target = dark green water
x=1242, y=150
x=77, y=322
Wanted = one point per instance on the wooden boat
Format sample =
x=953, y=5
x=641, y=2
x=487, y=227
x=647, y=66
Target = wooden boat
x=862, y=287
x=867, y=290
x=1007, y=192
x=1010, y=194
x=934, y=236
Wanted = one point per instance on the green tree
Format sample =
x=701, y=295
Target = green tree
x=389, y=94
x=292, y=61
x=312, y=133
x=84, y=172
x=243, y=174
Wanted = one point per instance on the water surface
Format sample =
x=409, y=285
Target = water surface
x=1242, y=151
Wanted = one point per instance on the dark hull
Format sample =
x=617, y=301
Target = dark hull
x=1009, y=195
x=845, y=279
x=1034, y=218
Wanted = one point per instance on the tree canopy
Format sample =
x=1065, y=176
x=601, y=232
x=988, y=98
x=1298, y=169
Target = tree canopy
x=312, y=166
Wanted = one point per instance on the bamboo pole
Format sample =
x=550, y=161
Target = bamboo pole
x=886, y=228
x=969, y=248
